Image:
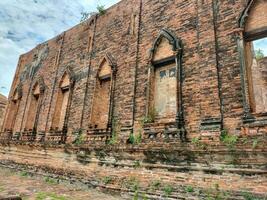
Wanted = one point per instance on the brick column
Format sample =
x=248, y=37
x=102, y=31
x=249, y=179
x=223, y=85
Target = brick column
x=209, y=81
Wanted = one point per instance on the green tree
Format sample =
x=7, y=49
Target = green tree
x=259, y=54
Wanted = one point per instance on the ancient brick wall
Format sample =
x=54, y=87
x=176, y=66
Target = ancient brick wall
x=3, y=104
x=185, y=59
x=211, y=85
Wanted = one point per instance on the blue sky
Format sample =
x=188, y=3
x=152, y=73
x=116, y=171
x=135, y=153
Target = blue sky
x=26, y=23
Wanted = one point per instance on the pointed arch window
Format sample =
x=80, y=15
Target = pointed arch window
x=165, y=80
x=63, y=102
x=102, y=108
x=35, y=105
x=13, y=109
x=253, y=49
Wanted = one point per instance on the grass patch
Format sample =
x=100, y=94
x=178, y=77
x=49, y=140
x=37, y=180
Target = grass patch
x=106, y=180
x=137, y=164
x=132, y=183
x=155, y=185
x=24, y=174
x=189, y=189
x=249, y=196
x=50, y=181
x=50, y=196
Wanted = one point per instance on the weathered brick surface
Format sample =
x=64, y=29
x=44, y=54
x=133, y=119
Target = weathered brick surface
x=211, y=68
x=211, y=85
x=208, y=172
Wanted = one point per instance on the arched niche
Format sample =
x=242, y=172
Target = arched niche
x=65, y=88
x=251, y=38
x=164, y=94
x=14, y=104
x=35, y=102
x=102, y=109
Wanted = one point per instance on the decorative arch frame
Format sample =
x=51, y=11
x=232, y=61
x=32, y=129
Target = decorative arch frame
x=111, y=62
x=14, y=99
x=241, y=38
x=18, y=91
x=177, y=49
x=71, y=75
x=175, y=42
x=113, y=65
x=38, y=81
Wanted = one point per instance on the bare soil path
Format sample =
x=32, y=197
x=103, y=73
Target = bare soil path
x=43, y=188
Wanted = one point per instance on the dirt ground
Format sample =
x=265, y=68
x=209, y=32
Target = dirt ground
x=29, y=187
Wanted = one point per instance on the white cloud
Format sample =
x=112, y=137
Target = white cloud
x=26, y=23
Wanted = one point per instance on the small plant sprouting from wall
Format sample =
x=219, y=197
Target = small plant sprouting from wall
x=101, y=9
x=150, y=118
x=229, y=140
x=189, y=189
x=168, y=190
x=135, y=139
x=132, y=183
x=137, y=164
x=197, y=143
x=115, y=128
x=79, y=138
x=255, y=143
x=155, y=185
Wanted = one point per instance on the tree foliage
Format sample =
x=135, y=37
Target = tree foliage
x=259, y=54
